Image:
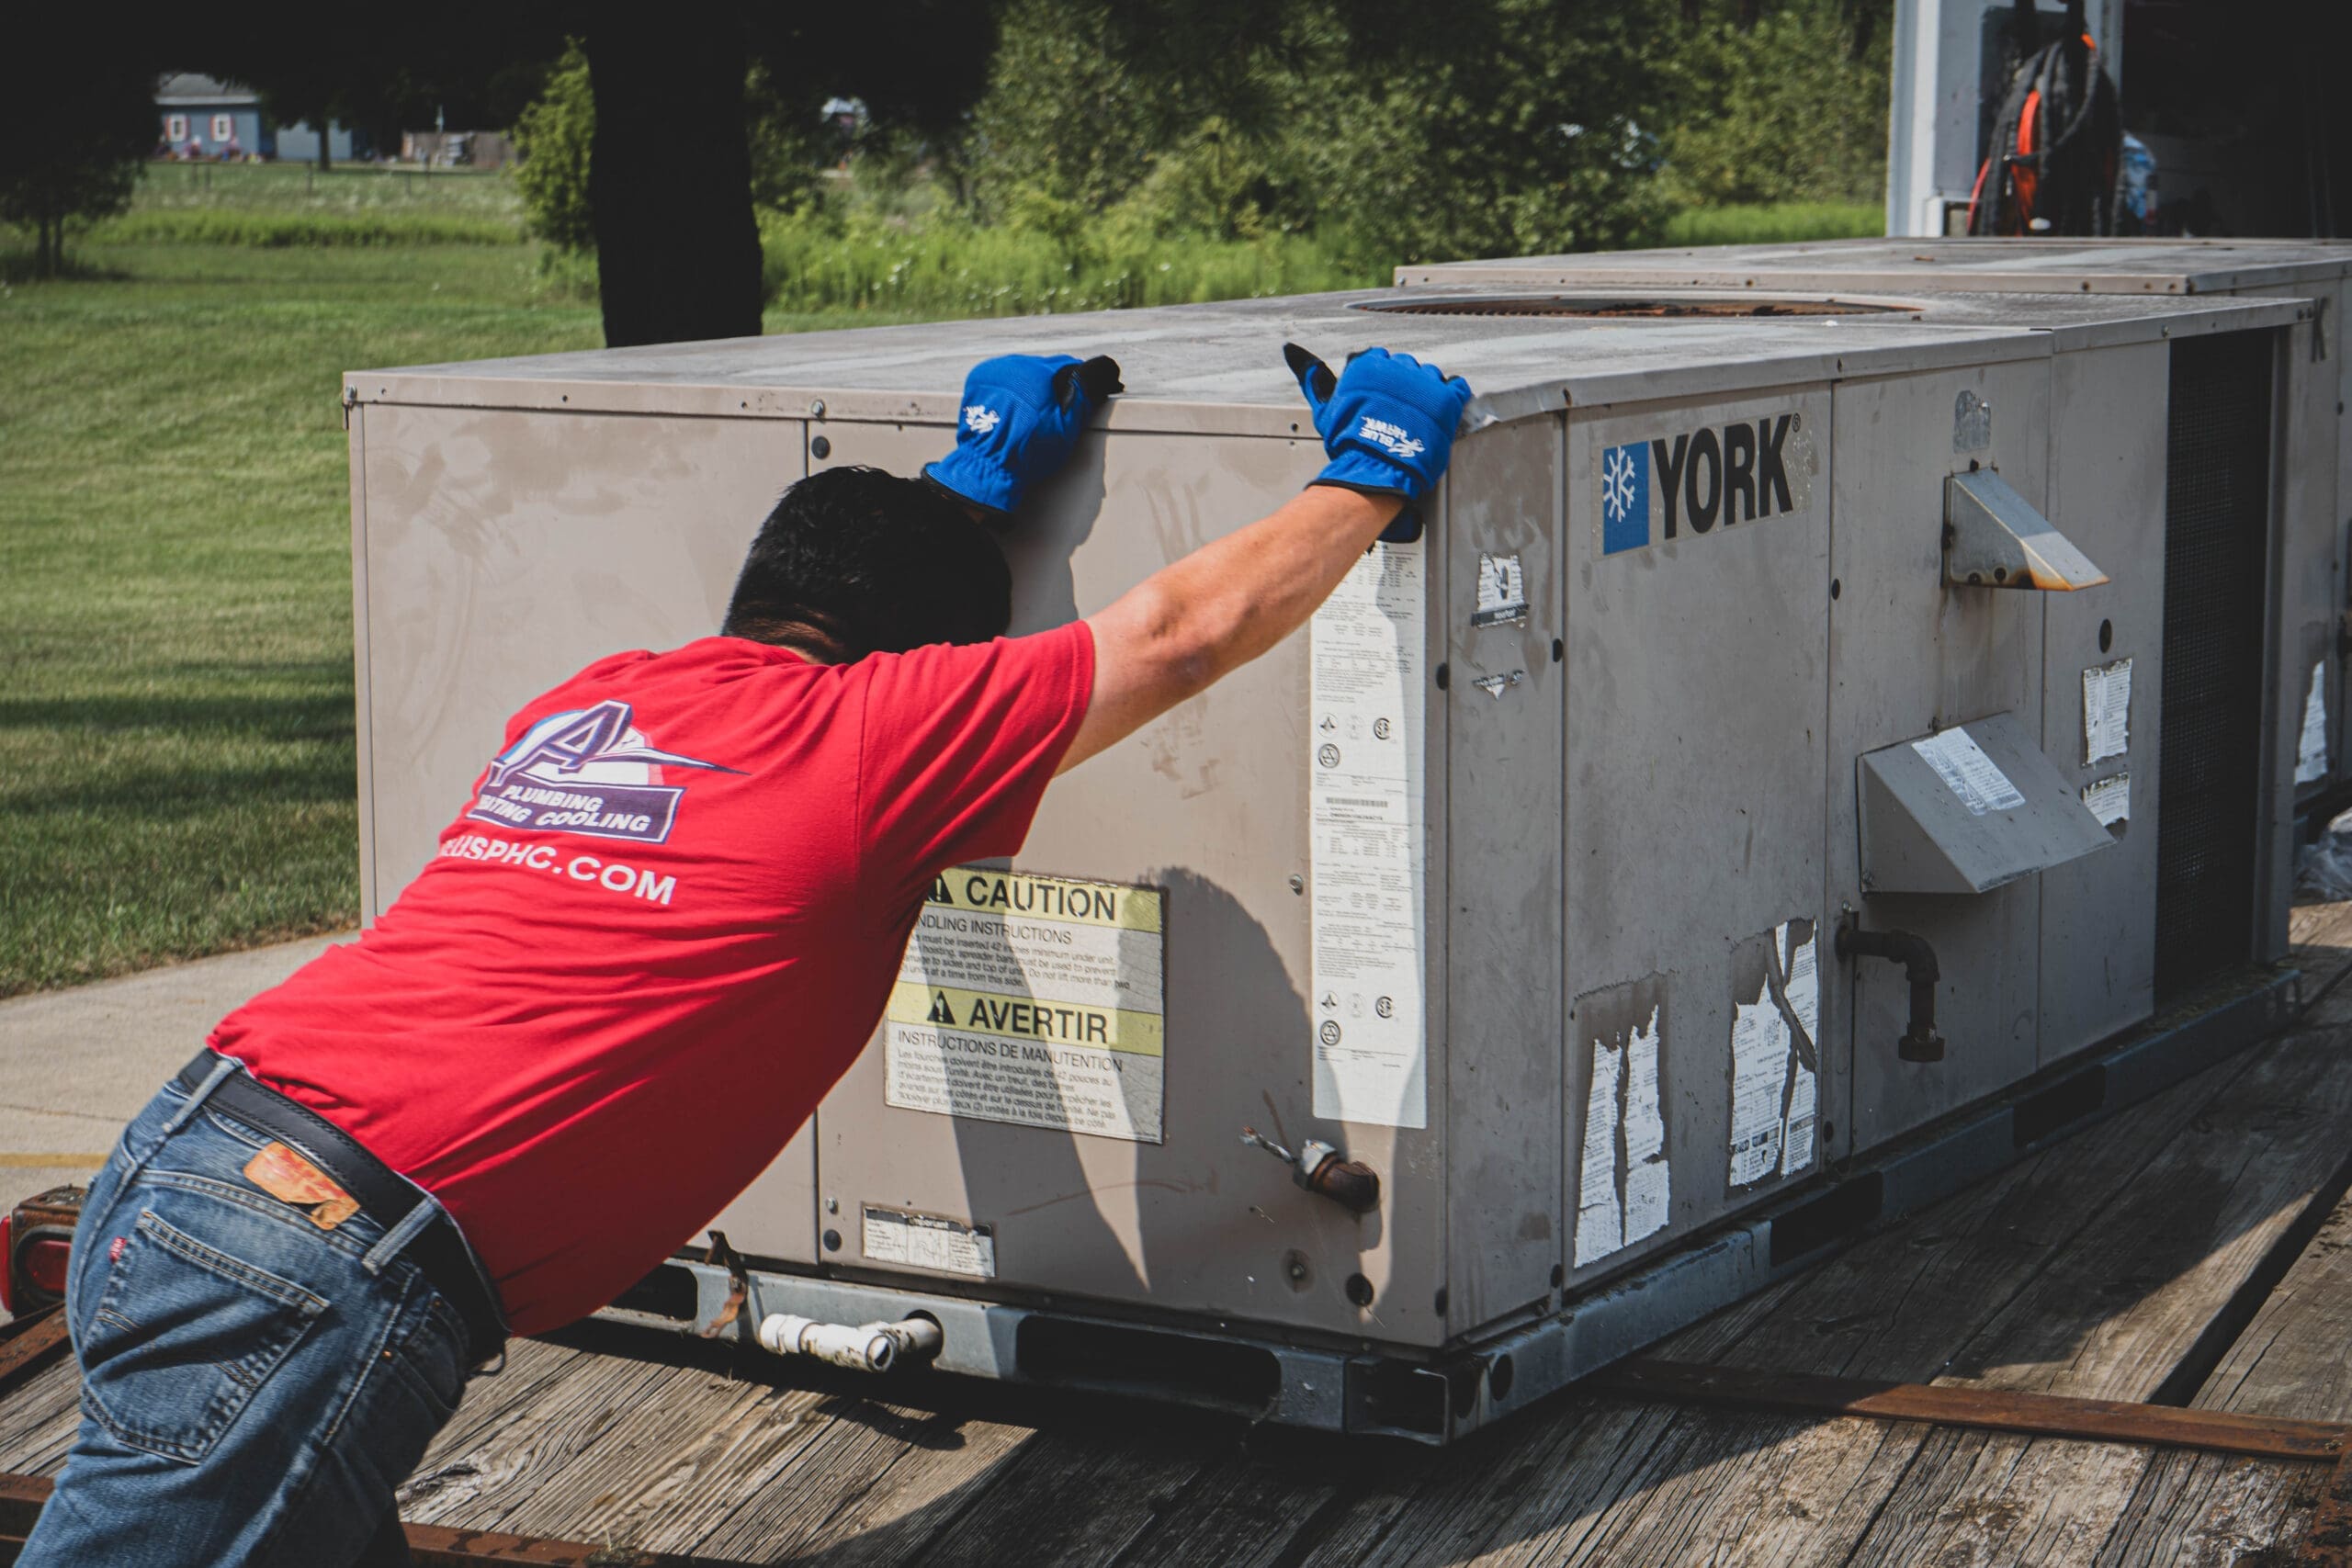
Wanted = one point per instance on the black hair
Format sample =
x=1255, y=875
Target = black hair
x=855, y=561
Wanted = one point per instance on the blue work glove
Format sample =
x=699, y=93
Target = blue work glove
x=1021, y=416
x=1387, y=420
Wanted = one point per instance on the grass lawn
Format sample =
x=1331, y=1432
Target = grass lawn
x=175, y=702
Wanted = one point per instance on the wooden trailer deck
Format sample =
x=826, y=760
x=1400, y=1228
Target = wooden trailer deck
x=2195, y=1251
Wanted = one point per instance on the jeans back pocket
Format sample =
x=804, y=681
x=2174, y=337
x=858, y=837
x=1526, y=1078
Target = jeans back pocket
x=181, y=1338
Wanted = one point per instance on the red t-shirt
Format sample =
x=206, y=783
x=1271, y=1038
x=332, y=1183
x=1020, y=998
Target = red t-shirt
x=664, y=924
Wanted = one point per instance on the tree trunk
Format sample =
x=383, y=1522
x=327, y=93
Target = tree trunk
x=670, y=178
x=327, y=154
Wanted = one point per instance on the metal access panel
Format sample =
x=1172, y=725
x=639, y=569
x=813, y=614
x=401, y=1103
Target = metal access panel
x=1698, y=662
x=1516, y=875
x=2313, y=652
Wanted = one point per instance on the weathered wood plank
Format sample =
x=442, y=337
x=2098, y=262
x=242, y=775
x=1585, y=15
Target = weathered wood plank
x=1072, y=1494
x=669, y=1469
x=2121, y=1313
x=2290, y=1361
x=39, y=1420
x=480, y=1481
x=878, y=1481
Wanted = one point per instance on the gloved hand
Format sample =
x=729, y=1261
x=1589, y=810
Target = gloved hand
x=1387, y=420
x=1022, y=414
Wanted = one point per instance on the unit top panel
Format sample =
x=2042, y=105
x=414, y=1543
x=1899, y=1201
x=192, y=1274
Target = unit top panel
x=2094, y=266
x=1218, y=367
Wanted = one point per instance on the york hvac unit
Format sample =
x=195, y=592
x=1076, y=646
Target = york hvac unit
x=1811, y=741
x=2315, y=645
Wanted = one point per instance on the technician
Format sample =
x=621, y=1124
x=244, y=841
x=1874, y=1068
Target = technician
x=661, y=926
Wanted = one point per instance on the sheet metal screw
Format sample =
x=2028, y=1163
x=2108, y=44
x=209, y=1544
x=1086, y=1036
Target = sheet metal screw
x=1297, y=883
x=817, y=408
x=833, y=1205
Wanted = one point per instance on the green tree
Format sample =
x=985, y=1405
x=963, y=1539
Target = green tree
x=73, y=139
x=552, y=135
x=1790, y=107
x=1485, y=128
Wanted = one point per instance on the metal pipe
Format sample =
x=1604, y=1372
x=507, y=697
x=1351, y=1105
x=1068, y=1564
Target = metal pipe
x=1920, y=1043
x=870, y=1348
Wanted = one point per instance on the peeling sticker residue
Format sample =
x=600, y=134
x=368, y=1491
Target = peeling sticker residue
x=1502, y=591
x=1624, y=1188
x=1971, y=775
x=2107, y=711
x=1496, y=685
x=1971, y=422
x=2311, y=752
x=1775, y=1095
x=1804, y=992
x=2109, y=799
x=1601, y=1212
x=1648, y=1178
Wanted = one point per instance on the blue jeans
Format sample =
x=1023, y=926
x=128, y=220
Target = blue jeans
x=252, y=1387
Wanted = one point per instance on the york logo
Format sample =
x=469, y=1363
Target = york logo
x=1737, y=472
x=980, y=419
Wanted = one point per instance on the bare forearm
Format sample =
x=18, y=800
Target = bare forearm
x=1193, y=622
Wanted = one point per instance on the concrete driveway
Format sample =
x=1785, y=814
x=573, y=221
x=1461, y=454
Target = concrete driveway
x=75, y=1066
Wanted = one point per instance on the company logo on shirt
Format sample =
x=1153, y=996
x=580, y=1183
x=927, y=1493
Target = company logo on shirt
x=589, y=770
x=980, y=418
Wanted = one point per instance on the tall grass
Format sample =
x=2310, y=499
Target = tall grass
x=254, y=226
x=947, y=266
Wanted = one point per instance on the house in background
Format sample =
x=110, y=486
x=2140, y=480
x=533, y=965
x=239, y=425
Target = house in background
x=220, y=120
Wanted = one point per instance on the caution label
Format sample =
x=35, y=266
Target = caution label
x=1035, y=1001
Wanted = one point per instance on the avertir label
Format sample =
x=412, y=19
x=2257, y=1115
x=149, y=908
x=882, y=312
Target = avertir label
x=1036, y=1000
x=1369, y=841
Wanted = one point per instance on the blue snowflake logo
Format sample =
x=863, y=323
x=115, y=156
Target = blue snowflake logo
x=1624, y=498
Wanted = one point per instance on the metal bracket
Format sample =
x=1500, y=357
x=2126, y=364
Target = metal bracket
x=1994, y=538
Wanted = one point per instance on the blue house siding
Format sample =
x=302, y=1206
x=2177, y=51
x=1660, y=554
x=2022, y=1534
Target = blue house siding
x=205, y=125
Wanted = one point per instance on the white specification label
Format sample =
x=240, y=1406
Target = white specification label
x=1971, y=775
x=1034, y=1000
x=1369, y=840
x=927, y=1241
x=2109, y=799
x=2311, y=750
x=2107, y=711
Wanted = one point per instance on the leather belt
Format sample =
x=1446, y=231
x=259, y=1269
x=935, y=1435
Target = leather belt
x=439, y=1249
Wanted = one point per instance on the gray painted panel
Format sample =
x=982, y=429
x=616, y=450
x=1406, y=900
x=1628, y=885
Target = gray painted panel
x=1921, y=834
x=1696, y=774
x=1908, y=656
x=506, y=550
x=1504, y=990
x=1210, y=803
x=2107, y=492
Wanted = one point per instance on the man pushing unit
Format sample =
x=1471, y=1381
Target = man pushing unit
x=560, y=1050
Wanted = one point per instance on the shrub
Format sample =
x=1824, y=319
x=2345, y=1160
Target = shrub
x=552, y=137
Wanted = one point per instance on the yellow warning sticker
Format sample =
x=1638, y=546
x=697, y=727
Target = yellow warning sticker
x=1035, y=1001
